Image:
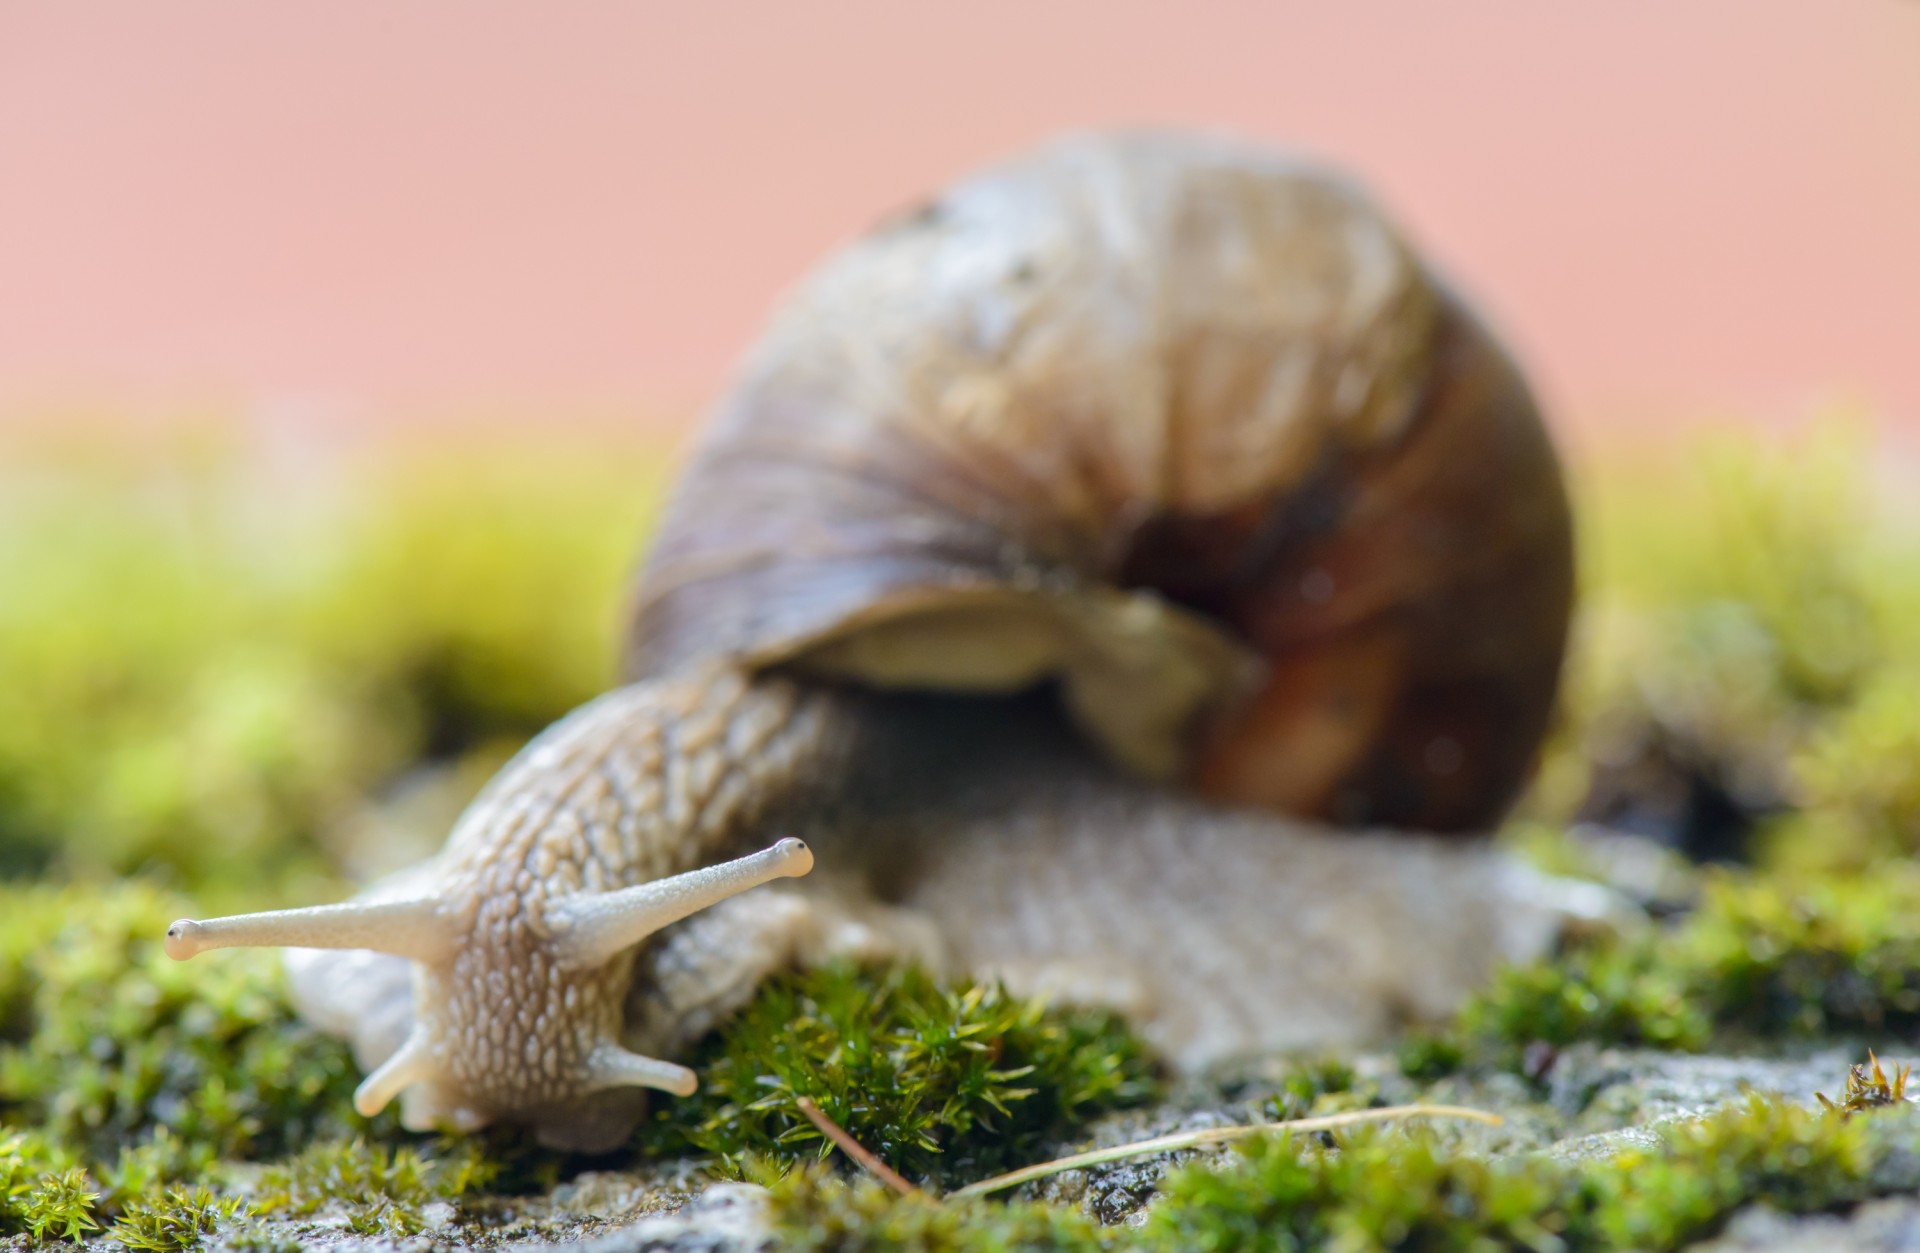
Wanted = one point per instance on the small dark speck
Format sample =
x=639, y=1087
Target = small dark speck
x=916, y=217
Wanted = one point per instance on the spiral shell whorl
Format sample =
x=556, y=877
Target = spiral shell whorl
x=1178, y=421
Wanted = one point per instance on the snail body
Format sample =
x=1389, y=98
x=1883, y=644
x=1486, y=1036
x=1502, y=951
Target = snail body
x=1065, y=558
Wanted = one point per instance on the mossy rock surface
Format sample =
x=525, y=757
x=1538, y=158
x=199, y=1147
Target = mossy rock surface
x=159, y=1114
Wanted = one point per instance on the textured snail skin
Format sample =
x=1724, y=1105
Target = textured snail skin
x=1056, y=542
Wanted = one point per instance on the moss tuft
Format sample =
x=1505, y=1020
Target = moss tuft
x=1742, y=602
x=1425, y=1056
x=382, y=1189
x=177, y=1219
x=1375, y=1191
x=25, y=1159
x=43, y=1191
x=147, y=1072
x=1794, y=1159
x=929, y=1076
x=1610, y=996
x=1762, y=956
x=57, y=1204
x=814, y=1210
x=110, y=1042
x=146, y=1168
x=1808, y=956
x=1326, y=1084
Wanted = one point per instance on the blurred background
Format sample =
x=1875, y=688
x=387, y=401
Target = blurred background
x=361, y=213
x=344, y=348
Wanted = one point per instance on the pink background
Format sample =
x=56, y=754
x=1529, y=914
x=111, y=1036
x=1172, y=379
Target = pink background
x=433, y=210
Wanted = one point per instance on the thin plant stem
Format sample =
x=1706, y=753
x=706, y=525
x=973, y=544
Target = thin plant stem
x=1212, y=1135
x=859, y=1152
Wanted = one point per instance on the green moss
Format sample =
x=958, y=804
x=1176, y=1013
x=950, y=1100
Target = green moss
x=1742, y=653
x=1428, y=1055
x=152, y=1073
x=1808, y=957
x=381, y=1188
x=1797, y=1161
x=927, y=1075
x=1612, y=996
x=301, y=636
x=112, y=1042
x=1396, y=1189
x=146, y=1168
x=175, y=1220
x=814, y=1210
x=1856, y=797
x=1762, y=956
x=122, y=1067
x=60, y=1205
x=41, y=1190
x=1326, y=1084
x=1375, y=1191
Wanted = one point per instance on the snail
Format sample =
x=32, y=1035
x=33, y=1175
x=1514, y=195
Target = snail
x=1133, y=575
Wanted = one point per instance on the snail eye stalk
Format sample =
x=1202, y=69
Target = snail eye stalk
x=415, y=929
x=591, y=928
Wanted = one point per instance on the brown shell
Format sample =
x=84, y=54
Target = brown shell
x=1179, y=421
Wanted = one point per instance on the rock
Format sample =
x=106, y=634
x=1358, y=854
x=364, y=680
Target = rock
x=1886, y=1226
x=726, y=1218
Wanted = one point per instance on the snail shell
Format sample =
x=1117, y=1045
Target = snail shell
x=1173, y=420
x=1173, y=429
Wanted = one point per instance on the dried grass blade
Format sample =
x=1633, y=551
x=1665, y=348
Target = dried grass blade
x=1220, y=1135
x=853, y=1148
